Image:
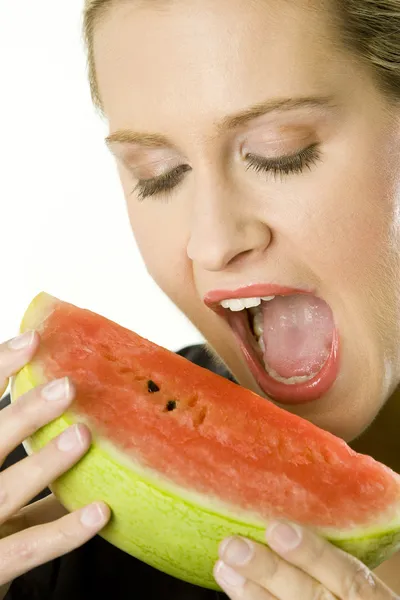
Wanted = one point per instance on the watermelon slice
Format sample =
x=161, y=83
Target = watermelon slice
x=185, y=457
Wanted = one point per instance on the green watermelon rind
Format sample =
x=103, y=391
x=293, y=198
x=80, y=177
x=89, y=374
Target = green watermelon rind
x=157, y=523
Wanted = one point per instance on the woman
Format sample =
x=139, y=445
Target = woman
x=258, y=145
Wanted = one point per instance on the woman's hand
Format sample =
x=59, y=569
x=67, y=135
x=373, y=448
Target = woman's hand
x=297, y=565
x=34, y=534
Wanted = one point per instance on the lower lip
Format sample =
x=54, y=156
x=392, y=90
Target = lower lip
x=291, y=394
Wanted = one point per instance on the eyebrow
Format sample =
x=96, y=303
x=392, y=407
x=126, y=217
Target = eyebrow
x=127, y=136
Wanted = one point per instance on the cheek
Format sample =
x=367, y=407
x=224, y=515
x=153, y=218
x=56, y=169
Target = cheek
x=162, y=242
x=160, y=229
x=347, y=224
x=159, y=239
x=350, y=238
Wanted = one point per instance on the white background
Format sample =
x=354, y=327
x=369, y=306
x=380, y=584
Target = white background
x=64, y=226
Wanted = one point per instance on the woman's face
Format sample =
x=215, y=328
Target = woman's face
x=255, y=153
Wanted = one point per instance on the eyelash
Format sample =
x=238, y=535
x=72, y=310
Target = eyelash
x=285, y=165
x=162, y=184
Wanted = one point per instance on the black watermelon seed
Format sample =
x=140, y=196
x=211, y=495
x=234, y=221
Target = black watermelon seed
x=152, y=387
x=171, y=405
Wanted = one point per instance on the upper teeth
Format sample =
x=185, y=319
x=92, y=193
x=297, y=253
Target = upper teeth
x=242, y=303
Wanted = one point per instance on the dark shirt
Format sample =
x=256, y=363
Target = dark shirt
x=98, y=569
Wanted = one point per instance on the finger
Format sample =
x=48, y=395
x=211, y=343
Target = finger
x=238, y=587
x=14, y=354
x=262, y=566
x=43, y=511
x=28, y=549
x=40, y=469
x=31, y=411
x=340, y=573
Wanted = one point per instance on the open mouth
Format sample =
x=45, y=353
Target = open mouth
x=289, y=342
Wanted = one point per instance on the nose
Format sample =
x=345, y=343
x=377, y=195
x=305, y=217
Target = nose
x=224, y=231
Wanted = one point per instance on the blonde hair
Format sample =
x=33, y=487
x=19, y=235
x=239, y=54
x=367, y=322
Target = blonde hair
x=368, y=28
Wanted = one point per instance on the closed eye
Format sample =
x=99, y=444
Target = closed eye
x=164, y=183
x=283, y=166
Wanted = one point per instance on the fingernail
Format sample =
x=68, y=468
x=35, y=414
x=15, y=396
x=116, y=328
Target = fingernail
x=56, y=390
x=93, y=516
x=236, y=551
x=227, y=577
x=22, y=341
x=69, y=439
x=282, y=536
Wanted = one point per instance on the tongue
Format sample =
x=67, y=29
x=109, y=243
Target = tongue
x=298, y=333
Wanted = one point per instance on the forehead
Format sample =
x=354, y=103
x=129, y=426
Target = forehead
x=211, y=56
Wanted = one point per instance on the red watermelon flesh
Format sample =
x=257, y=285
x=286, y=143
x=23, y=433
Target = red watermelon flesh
x=209, y=434
x=210, y=437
